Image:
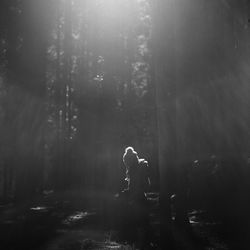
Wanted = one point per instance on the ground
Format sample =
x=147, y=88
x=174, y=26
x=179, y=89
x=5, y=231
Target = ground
x=65, y=222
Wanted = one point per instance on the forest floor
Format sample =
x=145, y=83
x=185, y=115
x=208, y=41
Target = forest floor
x=65, y=222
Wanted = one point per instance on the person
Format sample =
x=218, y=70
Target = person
x=133, y=205
x=138, y=183
x=137, y=176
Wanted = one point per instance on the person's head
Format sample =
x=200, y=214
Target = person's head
x=130, y=157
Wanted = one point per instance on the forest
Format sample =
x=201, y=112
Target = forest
x=82, y=80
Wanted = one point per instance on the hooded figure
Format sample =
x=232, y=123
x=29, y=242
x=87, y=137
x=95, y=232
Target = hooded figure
x=136, y=175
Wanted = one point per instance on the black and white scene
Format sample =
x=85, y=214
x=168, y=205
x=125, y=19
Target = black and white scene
x=125, y=124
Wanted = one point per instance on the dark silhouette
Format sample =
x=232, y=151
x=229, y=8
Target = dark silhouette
x=136, y=176
x=133, y=199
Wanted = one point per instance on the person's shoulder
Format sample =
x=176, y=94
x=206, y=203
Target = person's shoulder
x=143, y=163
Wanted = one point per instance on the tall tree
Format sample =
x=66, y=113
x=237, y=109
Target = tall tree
x=32, y=86
x=166, y=83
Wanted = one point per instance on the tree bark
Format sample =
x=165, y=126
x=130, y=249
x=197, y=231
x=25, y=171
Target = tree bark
x=165, y=81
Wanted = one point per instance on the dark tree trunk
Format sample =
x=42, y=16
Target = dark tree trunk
x=165, y=80
x=32, y=88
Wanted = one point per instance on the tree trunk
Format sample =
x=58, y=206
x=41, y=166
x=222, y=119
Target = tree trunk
x=165, y=80
x=31, y=91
